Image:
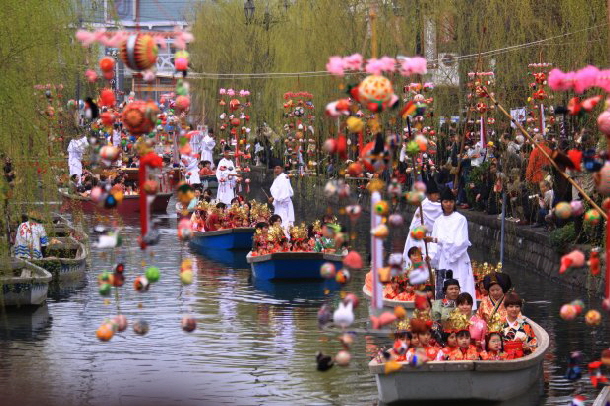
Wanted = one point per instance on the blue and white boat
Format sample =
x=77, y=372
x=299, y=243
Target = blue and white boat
x=231, y=239
x=291, y=265
x=23, y=283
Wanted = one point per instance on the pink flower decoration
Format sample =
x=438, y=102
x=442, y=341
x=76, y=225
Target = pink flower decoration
x=353, y=62
x=413, y=66
x=91, y=75
x=243, y=93
x=222, y=90
x=374, y=66
x=389, y=64
x=603, y=80
x=585, y=78
x=335, y=66
x=86, y=38
x=231, y=92
x=559, y=80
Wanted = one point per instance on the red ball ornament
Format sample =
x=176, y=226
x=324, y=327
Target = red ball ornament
x=603, y=123
x=139, y=52
x=183, y=103
x=107, y=64
x=107, y=98
x=139, y=117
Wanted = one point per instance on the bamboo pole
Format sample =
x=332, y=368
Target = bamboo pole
x=565, y=175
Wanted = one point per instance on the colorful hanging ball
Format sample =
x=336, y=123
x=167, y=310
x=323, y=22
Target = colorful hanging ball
x=105, y=289
x=183, y=103
x=107, y=64
x=382, y=208
x=375, y=89
x=153, y=274
x=380, y=231
x=105, y=332
x=351, y=298
x=606, y=304
x=328, y=270
x=563, y=210
x=141, y=327
x=593, y=318
x=109, y=153
x=343, y=276
x=568, y=312
x=120, y=321
x=104, y=277
x=139, y=52
x=354, y=124
x=181, y=61
x=578, y=207
x=151, y=187
x=189, y=324
x=418, y=233
x=603, y=123
x=414, y=198
x=343, y=358
x=186, y=277
x=592, y=217
x=395, y=220
x=141, y=283
x=579, y=305
x=602, y=180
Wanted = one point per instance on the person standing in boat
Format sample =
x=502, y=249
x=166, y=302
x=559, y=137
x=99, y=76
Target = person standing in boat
x=76, y=150
x=226, y=176
x=207, y=145
x=191, y=169
x=31, y=240
x=431, y=208
x=281, y=197
x=450, y=234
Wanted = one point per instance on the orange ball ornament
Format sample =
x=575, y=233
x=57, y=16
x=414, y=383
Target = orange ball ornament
x=107, y=64
x=105, y=332
x=593, y=318
x=139, y=52
x=139, y=117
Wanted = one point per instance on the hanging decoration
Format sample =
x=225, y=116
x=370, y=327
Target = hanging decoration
x=299, y=131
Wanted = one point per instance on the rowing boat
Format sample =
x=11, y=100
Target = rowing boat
x=129, y=205
x=291, y=265
x=230, y=239
x=23, y=283
x=463, y=380
x=66, y=259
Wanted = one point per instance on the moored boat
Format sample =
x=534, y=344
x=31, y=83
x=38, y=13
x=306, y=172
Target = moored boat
x=229, y=239
x=603, y=399
x=129, y=205
x=463, y=380
x=66, y=259
x=23, y=283
x=291, y=265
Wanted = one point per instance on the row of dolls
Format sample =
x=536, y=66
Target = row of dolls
x=208, y=217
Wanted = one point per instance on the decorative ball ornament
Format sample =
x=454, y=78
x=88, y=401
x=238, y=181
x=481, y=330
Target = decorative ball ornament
x=415, y=198
x=189, y=324
x=395, y=220
x=351, y=298
x=418, y=233
x=105, y=289
x=141, y=283
x=151, y=187
x=592, y=217
x=107, y=64
x=375, y=89
x=153, y=274
x=107, y=98
x=593, y=318
x=602, y=179
x=183, y=103
x=606, y=304
x=109, y=153
x=343, y=358
x=381, y=231
x=186, y=277
x=382, y=208
x=141, y=327
x=105, y=332
x=139, y=117
x=328, y=270
x=120, y=321
x=139, y=52
x=578, y=207
x=568, y=312
x=354, y=124
x=563, y=210
x=343, y=276
x=603, y=123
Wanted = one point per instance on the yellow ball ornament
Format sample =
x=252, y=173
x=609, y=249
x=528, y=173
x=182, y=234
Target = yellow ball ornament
x=382, y=208
x=375, y=88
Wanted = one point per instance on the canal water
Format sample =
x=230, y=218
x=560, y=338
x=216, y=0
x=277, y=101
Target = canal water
x=255, y=343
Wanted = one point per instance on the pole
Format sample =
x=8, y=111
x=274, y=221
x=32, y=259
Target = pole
x=502, y=228
x=376, y=256
x=607, y=290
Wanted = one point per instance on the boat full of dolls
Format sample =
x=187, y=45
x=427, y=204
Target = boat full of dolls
x=487, y=381
x=239, y=238
x=291, y=264
x=129, y=205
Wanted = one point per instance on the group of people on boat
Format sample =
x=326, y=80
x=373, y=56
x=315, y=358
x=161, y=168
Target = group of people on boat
x=449, y=328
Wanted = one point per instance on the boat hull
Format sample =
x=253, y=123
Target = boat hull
x=463, y=380
x=291, y=265
x=65, y=268
x=129, y=206
x=233, y=239
x=29, y=288
x=603, y=399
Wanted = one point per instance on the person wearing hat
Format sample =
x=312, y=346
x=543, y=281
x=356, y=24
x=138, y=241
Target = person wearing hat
x=76, y=150
x=450, y=234
x=442, y=308
x=281, y=197
x=497, y=284
x=227, y=177
x=431, y=209
x=207, y=145
x=31, y=240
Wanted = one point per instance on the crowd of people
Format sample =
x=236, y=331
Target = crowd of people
x=449, y=328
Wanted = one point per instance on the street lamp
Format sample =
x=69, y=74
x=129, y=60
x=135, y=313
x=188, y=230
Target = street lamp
x=249, y=10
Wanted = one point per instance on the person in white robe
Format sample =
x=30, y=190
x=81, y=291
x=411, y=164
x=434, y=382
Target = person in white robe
x=191, y=169
x=195, y=141
x=76, y=150
x=450, y=235
x=207, y=146
x=431, y=208
x=31, y=239
x=281, y=197
x=227, y=178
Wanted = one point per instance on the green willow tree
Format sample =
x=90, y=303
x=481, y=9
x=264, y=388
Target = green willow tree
x=38, y=48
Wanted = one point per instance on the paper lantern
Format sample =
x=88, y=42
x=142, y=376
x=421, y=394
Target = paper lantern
x=139, y=52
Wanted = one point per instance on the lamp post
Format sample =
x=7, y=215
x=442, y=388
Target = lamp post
x=249, y=10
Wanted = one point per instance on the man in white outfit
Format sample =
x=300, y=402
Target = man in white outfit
x=281, y=197
x=191, y=169
x=76, y=150
x=207, y=146
x=227, y=177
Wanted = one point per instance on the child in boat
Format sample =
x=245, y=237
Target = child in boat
x=494, y=347
x=450, y=338
x=198, y=221
x=326, y=243
x=214, y=219
x=421, y=329
x=464, y=351
x=259, y=241
x=402, y=343
x=205, y=168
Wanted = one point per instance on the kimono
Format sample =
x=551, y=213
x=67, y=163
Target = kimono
x=487, y=307
x=520, y=330
x=452, y=250
x=190, y=167
x=459, y=354
x=30, y=237
x=493, y=356
x=443, y=353
x=324, y=243
x=226, y=181
x=282, y=193
x=431, y=210
x=441, y=310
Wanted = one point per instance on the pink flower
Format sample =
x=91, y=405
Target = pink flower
x=585, y=78
x=335, y=66
x=91, y=75
x=603, y=80
x=558, y=80
x=374, y=66
x=231, y=92
x=353, y=62
x=389, y=64
x=413, y=66
x=222, y=90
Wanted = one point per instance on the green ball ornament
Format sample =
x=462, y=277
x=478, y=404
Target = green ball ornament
x=592, y=217
x=123, y=142
x=151, y=135
x=104, y=277
x=412, y=148
x=153, y=274
x=105, y=289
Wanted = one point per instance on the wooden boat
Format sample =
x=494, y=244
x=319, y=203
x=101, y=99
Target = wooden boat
x=129, y=205
x=233, y=259
x=463, y=380
x=66, y=259
x=289, y=291
x=291, y=265
x=230, y=239
x=23, y=283
x=603, y=399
